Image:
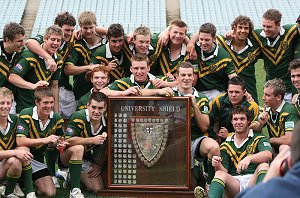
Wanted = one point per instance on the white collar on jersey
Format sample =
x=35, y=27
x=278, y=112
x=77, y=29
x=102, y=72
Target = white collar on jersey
x=249, y=44
x=195, y=92
x=211, y=56
x=103, y=123
x=36, y=116
x=9, y=122
x=263, y=34
x=150, y=76
x=231, y=138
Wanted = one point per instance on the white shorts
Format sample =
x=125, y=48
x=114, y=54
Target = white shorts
x=37, y=166
x=86, y=166
x=194, y=144
x=244, y=181
x=67, y=102
x=211, y=94
x=288, y=97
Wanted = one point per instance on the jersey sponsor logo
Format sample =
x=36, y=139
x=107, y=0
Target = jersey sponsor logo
x=284, y=45
x=267, y=144
x=19, y=67
x=288, y=125
x=69, y=132
x=20, y=128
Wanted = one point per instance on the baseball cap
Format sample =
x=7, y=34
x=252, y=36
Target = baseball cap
x=298, y=19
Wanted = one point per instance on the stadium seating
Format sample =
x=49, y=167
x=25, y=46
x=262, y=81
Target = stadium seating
x=129, y=13
x=222, y=13
x=11, y=10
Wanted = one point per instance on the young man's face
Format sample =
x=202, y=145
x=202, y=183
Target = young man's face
x=53, y=43
x=235, y=94
x=295, y=78
x=177, y=35
x=240, y=123
x=99, y=80
x=17, y=43
x=206, y=42
x=96, y=110
x=270, y=100
x=185, y=78
x=45, y=106
x=270, y=28
x=116, y=44
x=140, y=70
x=5, y=105
x=241, y=31
x=68, y=31
x=142, y=43
x=88, y=31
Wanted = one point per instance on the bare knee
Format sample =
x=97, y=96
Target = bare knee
x=221, y=175
x=49, y=192
x=262, y=166
x=14, y=164
x=76, y=150
x=209, y=148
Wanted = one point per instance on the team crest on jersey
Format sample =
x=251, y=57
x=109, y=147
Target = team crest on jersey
x=212, y=67
x=251, y=56
x=249, y=149
x=284, y=45
x=152, y=58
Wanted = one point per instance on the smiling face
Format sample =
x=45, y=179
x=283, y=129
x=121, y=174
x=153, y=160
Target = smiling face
x=52, y=44
x=45, y=106
x=99, y=80
x=241, y=31
x=96, y=110
x=5, y=105
x=17, y=43
x=240, y=123
x=177, y=35
x=142, y=43
x=185, y=78
x=270, y=28
x=140, y=70
x=206, y=42
x=295, y=78
x=68, y=31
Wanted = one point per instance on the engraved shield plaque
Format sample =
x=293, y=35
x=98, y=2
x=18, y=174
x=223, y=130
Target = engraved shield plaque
x=149, y=139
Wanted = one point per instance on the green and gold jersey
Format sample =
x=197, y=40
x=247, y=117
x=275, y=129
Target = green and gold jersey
x=33, y=68
x=125, y=83
x=220, y=109
x=6, y=63
x=244, y=62
x=214, y=69
x=283, y=120
x=80, y=55
x=8, y=136
x=63, y=52
x=29, y=125
x=82, y=102
x=232, y=155
x=278, y=54
x=202, y=103
x=81, y=126
x=103, y=56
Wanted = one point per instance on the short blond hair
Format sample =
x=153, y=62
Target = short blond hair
x=4, y=92
x=87, y=18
